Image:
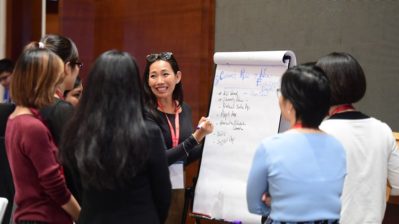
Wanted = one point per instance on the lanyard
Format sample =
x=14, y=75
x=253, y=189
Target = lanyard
x=174, y=132
x=297, y=125
x=342, y=108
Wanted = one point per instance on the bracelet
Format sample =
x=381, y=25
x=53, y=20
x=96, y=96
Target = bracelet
x=184, y=148
x=195, y=139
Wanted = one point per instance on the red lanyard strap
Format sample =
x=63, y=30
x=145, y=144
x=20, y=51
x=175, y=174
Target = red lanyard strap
x=342, y=108
x=297, y=125
x=174, y=132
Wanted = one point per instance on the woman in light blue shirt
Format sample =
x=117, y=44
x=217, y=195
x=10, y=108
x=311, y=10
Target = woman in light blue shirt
x=303, y=169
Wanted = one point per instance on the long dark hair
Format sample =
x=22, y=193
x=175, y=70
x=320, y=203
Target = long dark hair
x=106, y=139
x=150, y=99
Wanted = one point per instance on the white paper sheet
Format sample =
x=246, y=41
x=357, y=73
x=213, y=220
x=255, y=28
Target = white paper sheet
x=244, y=109
x=176, y=173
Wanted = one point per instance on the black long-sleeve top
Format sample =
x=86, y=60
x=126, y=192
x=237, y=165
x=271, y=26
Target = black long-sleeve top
x=145, y=199
x=187, y=143
x=56, y=117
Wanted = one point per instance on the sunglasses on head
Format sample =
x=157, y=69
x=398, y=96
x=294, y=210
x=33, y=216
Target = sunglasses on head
x=161, y=56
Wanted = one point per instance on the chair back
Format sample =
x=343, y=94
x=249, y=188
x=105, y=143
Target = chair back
x=3, y=207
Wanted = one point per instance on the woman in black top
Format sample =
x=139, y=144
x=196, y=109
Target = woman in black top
x=163, y=98
x=118, y=156
x=163, y=94
x=58, y=114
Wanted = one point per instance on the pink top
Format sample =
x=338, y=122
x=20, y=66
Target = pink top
x=40, y=188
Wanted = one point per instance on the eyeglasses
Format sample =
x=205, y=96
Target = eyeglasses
x=278, y=91
x=162, y=56
x=78, y=63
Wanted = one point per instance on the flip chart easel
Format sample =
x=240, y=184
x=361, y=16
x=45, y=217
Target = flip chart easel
x=244, y=108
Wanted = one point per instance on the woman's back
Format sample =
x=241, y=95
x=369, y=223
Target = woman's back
x=371, y=152
x=305, y=176
x=121, y=158
x=145, y=199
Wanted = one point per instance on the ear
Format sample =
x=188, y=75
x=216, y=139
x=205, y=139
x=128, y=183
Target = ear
x=67, y=68
x=289, y=105
x=178, y=77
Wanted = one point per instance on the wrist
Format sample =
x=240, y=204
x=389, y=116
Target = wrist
x=197, y=136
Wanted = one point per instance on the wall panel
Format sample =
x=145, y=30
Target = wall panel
x=312, y=28
x=185, y=28
x=23, y=25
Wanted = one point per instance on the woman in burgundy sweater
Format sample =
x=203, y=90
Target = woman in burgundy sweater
x=41, y=195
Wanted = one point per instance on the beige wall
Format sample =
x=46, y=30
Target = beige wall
x=367, y=29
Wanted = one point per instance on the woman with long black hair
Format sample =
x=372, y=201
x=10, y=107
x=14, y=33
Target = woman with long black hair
x=119, y=157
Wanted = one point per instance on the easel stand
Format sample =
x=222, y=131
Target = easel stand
x=188, y=199
x=188, y=203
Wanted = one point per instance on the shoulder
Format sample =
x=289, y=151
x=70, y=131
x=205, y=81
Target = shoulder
x=186, y=111
x=30, y=125
x=281, y=138
x=154, y=135
x=151, y=126
x=58, y=108
x=343, y=126
x=62, y=106
x=380, y=124
x=185, y=106
x=153, y=131
x=331, y=141
x=334, y=124
x=275, y=141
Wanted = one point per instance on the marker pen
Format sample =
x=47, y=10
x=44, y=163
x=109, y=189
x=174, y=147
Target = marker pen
x=202, y=124
x=236, y=222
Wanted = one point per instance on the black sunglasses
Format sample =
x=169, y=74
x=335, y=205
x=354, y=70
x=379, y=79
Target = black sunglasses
x=162, y=56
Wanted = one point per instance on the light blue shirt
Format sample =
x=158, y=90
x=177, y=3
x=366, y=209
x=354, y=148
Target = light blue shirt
x=302, y=172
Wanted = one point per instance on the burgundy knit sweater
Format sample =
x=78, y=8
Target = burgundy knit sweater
x=40, y=188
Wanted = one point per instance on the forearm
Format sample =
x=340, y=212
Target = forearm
x=257, y=184
x=195, y=154
x=181, y=151
x=72, y=207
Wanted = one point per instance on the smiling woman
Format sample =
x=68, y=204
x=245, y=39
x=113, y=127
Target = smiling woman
x=163, y=94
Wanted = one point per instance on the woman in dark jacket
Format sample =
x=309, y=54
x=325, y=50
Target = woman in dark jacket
x=119, y=157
